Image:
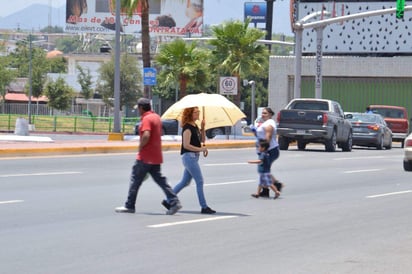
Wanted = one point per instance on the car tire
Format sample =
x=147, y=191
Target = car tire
x=347, y=146
x=301, y=145
x=283, y=143
x=407, y=165
x=211, y=133
x=389, y=146
x=330, y=145
x=379, y=145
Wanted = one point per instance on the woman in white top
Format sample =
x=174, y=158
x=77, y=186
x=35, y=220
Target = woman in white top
x=267, y=131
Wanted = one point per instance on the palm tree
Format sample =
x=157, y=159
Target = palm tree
x=184, y=64
x=236, y=52
x=130, y=6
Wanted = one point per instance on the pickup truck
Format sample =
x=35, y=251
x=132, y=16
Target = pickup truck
x=308, y=120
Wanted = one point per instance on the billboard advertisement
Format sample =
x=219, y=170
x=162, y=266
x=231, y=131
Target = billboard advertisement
x=383, y=35
x=166, y=17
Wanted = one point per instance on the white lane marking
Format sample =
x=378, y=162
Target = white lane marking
x=389, y=194
x=226, y=164
x=11, y=202
x=232, y=183
x=40, y=174
x=362, y=170
x=360, y=158
x=193, y=221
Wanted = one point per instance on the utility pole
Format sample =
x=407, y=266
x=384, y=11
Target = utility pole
x=269, y=20
x=116, y=135
x=30, y=76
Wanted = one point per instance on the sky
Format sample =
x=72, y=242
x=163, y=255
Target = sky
x=215, y=11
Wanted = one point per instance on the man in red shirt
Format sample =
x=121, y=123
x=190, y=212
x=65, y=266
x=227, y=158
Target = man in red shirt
x=148, y=160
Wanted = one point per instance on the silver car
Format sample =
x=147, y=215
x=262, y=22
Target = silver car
x=407, y=160
x=369, y=130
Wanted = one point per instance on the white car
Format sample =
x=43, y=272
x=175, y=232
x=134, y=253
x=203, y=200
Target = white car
x=407, y=160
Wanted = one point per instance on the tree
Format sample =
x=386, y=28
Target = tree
x=57, y=64
x=184, y=64
x=69, y=44
x=22, y=57
x=130, y=81
x=236, y=52
x=60, y=94
x=130, y=6
x=7, y=75
x=52, y=29
x=85, y=80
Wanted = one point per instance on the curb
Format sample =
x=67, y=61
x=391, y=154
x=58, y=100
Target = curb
x=107, y=148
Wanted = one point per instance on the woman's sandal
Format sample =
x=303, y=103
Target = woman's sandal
x=255, y=195
x=277, y=195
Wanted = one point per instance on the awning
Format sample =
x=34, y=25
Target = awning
x=21, y=97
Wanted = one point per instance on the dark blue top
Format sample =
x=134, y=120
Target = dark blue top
x=264, y=166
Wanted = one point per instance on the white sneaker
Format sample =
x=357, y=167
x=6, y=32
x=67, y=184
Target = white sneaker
x=122, y=209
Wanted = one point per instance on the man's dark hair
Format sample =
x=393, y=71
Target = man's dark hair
x=144, y=103
x=145, y=107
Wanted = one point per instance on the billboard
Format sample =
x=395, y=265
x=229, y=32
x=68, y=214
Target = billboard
x=256, y=11
x=166, y=17
x=382, y=35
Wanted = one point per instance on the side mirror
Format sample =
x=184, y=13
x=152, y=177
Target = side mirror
x=348, y=116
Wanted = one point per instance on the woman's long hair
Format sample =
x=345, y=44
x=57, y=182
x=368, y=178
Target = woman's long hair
x=187, y=116
x=75, y=6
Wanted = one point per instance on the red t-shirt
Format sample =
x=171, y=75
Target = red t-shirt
x=151, y=153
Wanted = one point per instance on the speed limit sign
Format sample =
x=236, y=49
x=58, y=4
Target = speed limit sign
x=228, y=85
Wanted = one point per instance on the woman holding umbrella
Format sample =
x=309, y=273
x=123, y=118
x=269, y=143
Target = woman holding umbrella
x=191, y=148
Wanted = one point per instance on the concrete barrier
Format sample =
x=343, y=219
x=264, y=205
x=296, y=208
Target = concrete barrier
x=22, y=127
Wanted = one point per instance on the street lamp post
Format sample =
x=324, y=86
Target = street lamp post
x=30, y=78
x=298, y=27
x=116, y=135
x=252, y=99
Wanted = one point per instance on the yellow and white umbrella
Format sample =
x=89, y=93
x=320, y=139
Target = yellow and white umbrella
x=216, y=109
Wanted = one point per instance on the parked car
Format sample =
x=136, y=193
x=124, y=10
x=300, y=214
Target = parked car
x=396, y=118
x=369, y=130
x=171, y=127
x=407, y=160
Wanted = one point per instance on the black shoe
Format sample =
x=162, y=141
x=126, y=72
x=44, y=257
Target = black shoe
x=279, y=186
x=264, y=193
x=207, y=210
x=173, y=209
x=166, y=204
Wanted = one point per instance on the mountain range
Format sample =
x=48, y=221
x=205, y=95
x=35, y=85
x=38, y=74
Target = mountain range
x=34, y=17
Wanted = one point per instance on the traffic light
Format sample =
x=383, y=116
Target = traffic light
x=400, y=8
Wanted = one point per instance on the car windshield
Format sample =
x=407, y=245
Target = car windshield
x=365, y=118
x=389, y=113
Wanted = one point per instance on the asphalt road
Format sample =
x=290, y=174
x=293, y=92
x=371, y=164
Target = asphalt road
x=339, y=213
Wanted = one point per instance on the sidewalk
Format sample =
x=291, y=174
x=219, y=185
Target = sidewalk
x=13, y=145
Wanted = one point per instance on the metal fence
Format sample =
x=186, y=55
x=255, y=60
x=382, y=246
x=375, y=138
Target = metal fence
x=38, y=109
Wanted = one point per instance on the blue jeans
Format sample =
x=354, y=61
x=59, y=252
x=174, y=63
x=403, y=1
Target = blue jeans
x=273, y=154
x=192, y=170
x=139, y=171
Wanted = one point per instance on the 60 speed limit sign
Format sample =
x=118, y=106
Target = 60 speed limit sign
x=228, y=85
